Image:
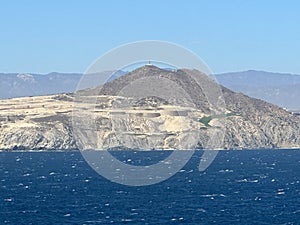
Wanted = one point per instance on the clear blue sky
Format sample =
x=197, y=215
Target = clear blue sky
x=66, y=36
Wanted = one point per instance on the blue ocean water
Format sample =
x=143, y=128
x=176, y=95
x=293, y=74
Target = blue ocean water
x=240, y=187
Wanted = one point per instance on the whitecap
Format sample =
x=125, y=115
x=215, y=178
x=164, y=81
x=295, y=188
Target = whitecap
x=226, y=171
x=247, y=181
x=297, y=211
x=213, y=195
x=201, y=210
x=126, y=220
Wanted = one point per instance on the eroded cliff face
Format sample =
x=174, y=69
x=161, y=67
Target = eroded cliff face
x=36, y=123
x=261, y=125
x=125, y=122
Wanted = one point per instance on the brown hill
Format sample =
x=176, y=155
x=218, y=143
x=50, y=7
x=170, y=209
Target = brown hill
x=148, y=108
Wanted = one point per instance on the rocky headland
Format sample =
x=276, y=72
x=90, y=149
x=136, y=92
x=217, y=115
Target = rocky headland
x=125, y=122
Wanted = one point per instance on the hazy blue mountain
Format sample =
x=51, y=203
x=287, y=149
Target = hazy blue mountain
x=278, y=88
x=24, y=84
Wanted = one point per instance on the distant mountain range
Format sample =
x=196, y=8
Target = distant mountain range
x=278, y=88
x=24, y=84
x=281, y=89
